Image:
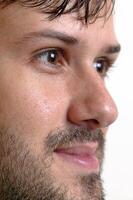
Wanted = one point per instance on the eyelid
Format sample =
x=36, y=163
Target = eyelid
x=110, y=64
x=105, y=58
x=109, y=60
x=42, y=50
x=37, y=53
x=58, y=67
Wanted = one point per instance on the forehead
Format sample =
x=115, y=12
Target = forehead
x=16, y=21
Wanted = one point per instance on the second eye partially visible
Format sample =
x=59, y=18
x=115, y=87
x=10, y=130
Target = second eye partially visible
x=102, y=65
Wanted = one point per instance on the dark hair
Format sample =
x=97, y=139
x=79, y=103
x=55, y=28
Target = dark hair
x=90, y=9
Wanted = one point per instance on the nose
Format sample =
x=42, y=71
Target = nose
x=91, y=105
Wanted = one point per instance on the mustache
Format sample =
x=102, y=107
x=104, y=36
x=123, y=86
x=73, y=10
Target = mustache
x=66, y=137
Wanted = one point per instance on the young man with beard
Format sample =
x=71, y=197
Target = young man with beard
x=54, y=105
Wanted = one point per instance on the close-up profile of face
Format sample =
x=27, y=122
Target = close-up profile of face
x=55, y=108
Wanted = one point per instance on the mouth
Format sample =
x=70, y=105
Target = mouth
x=80, y=156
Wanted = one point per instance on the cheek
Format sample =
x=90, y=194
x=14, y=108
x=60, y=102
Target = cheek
x=31, y=109
x=31, y=114
x=41, y=112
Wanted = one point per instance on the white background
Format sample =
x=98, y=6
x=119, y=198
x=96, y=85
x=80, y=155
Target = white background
x=118, y=166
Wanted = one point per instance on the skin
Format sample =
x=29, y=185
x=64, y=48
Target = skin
x=37, y=99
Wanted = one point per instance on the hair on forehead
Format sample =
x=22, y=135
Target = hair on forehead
x=87, y=10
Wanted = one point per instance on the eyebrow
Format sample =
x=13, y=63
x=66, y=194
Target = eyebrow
x=50, y=34
x=70, y=40
x=113, y=49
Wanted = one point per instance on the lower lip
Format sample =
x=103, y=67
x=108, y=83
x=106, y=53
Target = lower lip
x=86, y=162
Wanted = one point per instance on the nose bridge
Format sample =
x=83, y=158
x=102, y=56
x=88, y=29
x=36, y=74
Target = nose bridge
x=92, y=86
x=99, y=101
x=93, y=101
x=98, y=95
x=96, y=90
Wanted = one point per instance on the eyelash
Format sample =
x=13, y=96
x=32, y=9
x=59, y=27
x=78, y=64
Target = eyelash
x=109, y=63
x=61, y=61
x=58, y=53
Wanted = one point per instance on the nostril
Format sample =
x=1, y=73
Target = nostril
x=91, y=124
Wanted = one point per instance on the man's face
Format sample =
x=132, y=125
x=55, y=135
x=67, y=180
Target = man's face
x=54, y=106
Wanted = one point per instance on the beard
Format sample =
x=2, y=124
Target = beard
x=24, y=176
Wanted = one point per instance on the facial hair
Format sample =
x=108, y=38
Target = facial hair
x=22, y=176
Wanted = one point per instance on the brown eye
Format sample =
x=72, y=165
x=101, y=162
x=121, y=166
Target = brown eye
x=102, y=65
x=50, y=58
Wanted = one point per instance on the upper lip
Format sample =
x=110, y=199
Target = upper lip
x=79, y=149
